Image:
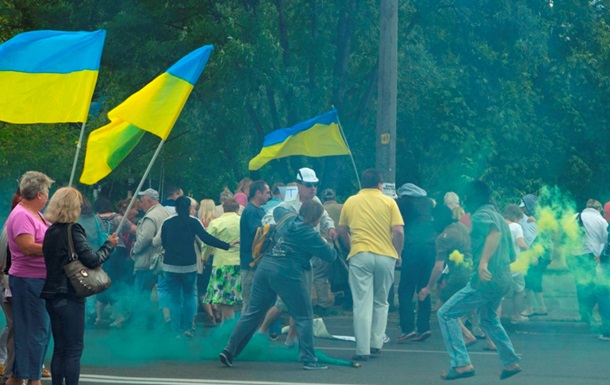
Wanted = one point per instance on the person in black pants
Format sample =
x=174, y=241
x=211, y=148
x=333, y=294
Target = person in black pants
x=66, y=309
x=418, y=258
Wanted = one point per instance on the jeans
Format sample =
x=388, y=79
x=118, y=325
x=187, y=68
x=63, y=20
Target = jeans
x=269, y=282
x=31, y=326
x=370, y=278
x=182, y=299
x=418, y=261
x=67, y=315
x=163, y=295
x=460, y=304
x=583, y=270
x=247, y=276
x=602, y=292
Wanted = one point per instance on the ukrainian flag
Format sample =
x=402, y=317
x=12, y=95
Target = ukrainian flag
x=154, y=108
x=49, y=76
x=315, y=137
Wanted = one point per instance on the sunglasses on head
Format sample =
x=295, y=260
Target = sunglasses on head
x=309, y=184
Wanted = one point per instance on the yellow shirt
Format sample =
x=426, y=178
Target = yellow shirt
x=370, y=216
x=226, y=228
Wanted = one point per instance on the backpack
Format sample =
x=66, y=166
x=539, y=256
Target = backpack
x=263, y=239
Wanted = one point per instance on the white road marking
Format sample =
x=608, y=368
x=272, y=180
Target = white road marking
x=85, y=378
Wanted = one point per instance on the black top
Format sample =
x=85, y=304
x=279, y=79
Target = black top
x=178, y=240
x=417, y=214
x=56, y=255
x=251, y=219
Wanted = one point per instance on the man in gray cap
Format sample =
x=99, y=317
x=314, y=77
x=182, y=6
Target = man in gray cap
x=143, y=250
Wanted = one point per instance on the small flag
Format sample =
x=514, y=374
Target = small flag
x=154, y=108
x=49, y=76
x=316, y=137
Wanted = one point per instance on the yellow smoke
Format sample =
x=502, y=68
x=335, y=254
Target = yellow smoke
x=456, y=257
x=527, y=258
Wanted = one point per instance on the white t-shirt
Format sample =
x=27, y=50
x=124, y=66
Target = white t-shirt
x=516, y=232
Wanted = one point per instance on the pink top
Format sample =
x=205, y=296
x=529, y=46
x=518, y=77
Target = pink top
x=19, y=222
x=241, y=198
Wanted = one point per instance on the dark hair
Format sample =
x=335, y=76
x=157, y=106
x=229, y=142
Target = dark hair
x=371, y=178
x=103, y=205
x=172, y=189
x=259, y=185
x=85, y=208
x=275, y=190
x=512, y=212
x=16, y=199
x=476, y=194
x=443, y=217
x=230, y=205
x=183, y=207
x=311, y=211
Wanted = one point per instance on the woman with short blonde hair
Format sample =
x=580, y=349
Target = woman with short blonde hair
x=26, y=228
x=65, y=308
x=64, y=206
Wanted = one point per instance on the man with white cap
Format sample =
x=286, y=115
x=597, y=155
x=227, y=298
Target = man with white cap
x=143, y=250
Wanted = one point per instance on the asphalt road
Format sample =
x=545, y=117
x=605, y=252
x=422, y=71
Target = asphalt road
x=551, y=354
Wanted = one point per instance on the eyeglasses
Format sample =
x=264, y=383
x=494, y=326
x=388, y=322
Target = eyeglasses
x=309, y=184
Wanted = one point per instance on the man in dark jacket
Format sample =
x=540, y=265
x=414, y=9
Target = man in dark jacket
x=281, y=272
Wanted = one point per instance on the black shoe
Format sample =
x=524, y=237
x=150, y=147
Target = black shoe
x=226, y=358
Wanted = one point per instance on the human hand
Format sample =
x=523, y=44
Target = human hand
x=235, y=242
x=484, y=274
x=332, y=234
x=114, y=239
x=423, y=293
x=399, y=262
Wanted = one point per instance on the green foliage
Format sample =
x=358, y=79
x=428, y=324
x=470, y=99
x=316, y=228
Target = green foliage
x=515, y=92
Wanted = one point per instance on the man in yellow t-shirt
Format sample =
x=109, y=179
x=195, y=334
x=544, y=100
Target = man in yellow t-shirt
x=372, y=228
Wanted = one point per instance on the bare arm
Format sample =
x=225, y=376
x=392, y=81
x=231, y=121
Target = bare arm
x=434, y=276
x=345, y=237
x=398, y=239
x=522, y=245
x=28, y=246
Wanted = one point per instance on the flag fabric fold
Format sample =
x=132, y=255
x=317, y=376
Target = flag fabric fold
x=316, y=137
x=155, y=108
x=49, y=76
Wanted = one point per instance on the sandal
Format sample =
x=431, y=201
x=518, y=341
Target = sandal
x=509, y=373
x=404, y=337
x=423, y=336
x=453, y=374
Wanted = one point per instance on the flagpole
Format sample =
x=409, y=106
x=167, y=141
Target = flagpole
x=350, y=151
x=78, y=146
x=135, y=194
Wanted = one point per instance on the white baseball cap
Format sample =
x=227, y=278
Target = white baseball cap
x=307, y=175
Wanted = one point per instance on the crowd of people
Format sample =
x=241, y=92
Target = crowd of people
x=180, y=254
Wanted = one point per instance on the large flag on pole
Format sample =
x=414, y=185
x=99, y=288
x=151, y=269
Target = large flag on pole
x=154, y=108
x=49, y=76
x=319, y=136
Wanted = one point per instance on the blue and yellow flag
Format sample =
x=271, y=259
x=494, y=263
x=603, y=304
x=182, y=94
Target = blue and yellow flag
x=154, y=108
x=315, y=137
x=49, y=76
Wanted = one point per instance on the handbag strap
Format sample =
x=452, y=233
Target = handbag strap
x=71, y=252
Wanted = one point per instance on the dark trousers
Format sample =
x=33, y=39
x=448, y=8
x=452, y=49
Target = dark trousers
x=269, y=282
x=417, y=263
x=583, y=269
x=68, y=327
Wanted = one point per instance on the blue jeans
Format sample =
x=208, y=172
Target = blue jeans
x=461, y=303
x=31, y=326
x=182, y=296
x=67, y=315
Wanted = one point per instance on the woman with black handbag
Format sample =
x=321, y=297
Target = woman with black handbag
x=67, y=309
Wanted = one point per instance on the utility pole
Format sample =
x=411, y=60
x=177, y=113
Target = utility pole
x=385, y=158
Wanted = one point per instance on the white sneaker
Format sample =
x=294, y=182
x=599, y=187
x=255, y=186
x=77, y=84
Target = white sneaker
x=604, y=337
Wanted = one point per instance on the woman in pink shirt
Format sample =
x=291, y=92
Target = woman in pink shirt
x=26, y=227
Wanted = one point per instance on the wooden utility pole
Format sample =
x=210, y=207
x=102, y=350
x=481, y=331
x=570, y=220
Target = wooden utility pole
x=385, y=159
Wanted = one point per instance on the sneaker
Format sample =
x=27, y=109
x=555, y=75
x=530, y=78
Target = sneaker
x=226, y=358
x=314, y=366
x=423, y=336
x=189, y=334
x=604, y=337
x=375, y=352
x=273, y=336
x=386, y=339
x=517, y=319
